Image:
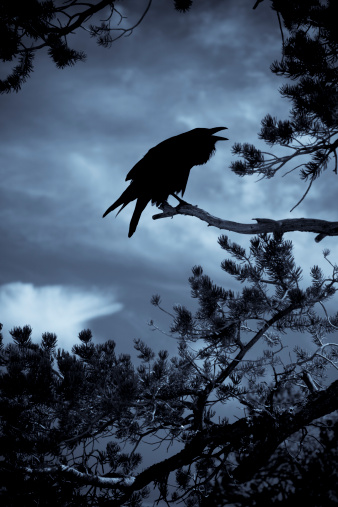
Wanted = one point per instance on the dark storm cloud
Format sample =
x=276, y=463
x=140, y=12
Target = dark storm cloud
x=70, y=137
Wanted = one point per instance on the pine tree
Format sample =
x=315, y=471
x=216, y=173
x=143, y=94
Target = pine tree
x=33, y=25
x=72, y=425
x=309, y=60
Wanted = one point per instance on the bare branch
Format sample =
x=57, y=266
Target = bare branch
x=264, y=225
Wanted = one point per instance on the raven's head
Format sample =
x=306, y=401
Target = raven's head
x=208, y=133
x=202, y=143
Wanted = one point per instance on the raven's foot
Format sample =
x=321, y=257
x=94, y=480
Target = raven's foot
x=181, y=202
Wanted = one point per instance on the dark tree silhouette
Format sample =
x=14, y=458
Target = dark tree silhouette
x=35, y=24
x=72, y=426
x=165, y=170
x=303, y=472
x=309, y=59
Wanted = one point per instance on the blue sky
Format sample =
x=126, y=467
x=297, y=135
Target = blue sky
x=69, y=138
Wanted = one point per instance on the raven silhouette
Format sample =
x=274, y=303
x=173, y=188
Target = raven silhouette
x=165, y=170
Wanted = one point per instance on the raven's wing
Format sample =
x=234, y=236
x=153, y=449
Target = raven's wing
x=164, y=170
x=149, y=164
x=167, y=154
x=143, y=167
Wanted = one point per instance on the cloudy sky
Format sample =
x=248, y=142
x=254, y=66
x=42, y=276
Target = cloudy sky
x=69, y=137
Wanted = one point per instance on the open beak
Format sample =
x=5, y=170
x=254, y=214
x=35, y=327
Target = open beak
x=217, y=129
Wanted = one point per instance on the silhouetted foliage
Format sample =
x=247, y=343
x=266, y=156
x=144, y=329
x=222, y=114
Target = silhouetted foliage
x=301, y=472
x=72, y=425
x=27, y=27
x=309, y=60
x=182, y=5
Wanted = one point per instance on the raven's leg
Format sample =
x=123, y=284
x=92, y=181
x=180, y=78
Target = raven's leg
x=179, y=199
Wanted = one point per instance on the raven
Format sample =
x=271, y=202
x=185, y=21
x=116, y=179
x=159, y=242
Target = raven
x=165, y=169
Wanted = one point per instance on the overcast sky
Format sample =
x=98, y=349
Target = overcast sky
x=69, y=137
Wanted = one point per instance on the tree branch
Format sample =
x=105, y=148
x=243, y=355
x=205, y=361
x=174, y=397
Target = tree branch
x=318, y=405
x=264, y=225
x=267, y=433
x=231, y=436
x=83, y=478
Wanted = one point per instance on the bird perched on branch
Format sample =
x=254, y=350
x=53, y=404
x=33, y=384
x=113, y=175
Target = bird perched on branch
x=165, y=169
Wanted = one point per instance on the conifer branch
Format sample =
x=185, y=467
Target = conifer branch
x=229, y=437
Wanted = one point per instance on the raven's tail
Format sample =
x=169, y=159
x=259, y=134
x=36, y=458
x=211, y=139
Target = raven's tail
x=125, y=198
x=141, y=203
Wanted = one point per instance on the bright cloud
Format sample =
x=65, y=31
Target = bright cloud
x=58, y=309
